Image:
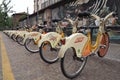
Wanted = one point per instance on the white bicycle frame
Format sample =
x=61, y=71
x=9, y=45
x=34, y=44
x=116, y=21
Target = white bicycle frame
x=33, y=35
x=78, y=41
x=52, y=37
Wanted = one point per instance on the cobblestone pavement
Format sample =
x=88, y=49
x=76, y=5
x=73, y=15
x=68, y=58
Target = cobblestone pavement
x=26, y=66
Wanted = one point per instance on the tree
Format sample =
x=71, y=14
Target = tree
x=5, y=20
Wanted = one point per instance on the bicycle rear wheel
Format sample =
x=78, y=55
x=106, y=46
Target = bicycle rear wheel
x=48, y=54
x=104, y=45
x=71, y=65
x=31, y=46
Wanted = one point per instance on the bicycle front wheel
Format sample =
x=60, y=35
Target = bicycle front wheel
x=104, y=45
x=71, y=65
x=48, y=54
x=31, y=46
x=19, y=40
x=13, y=37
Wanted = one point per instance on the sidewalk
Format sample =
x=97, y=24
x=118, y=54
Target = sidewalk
x=113, y=52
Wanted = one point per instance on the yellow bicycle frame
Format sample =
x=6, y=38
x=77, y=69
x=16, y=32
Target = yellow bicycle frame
x=89, y=47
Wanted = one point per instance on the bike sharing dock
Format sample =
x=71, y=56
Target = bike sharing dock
x=18, y=64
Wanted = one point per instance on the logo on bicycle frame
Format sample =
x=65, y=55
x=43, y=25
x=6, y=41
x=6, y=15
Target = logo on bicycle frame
x=79, y=39
x=35, y=34
x=53, y=38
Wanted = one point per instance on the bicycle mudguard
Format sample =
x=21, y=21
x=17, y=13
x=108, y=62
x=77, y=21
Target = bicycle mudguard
x=76, y=41
x=32, y=35
x=22, y=33
x=12, y=32
x=51, y=37
x=26, y=37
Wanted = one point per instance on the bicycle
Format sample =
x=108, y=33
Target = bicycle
x=50, y=44
x=20, y=35
x=31, y=41
x=53, y=41
x=78, y=47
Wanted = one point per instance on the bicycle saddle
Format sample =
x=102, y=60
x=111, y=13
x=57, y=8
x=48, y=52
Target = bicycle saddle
x=84, y=14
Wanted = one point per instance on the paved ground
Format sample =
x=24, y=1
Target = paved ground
x=0, y=63
x=114, y=52
x=26, y=66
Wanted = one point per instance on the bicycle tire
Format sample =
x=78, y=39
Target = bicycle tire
x=81, y=64
x=104, y=41
x=32, y=47
x=20, y=40
x=48, y=54
x=14, y=37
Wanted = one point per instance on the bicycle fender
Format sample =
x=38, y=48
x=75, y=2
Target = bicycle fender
x=51, y=37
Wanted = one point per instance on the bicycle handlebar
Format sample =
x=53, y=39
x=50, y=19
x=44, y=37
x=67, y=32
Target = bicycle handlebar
x=112, y=14
x=88, y=14
x=71, y=21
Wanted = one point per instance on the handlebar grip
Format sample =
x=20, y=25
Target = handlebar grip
x=84, y=14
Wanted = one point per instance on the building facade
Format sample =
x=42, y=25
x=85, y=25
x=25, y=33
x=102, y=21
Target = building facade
x=40, y=4
x=48, y=10
x=16, y=17
x=37, y=5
